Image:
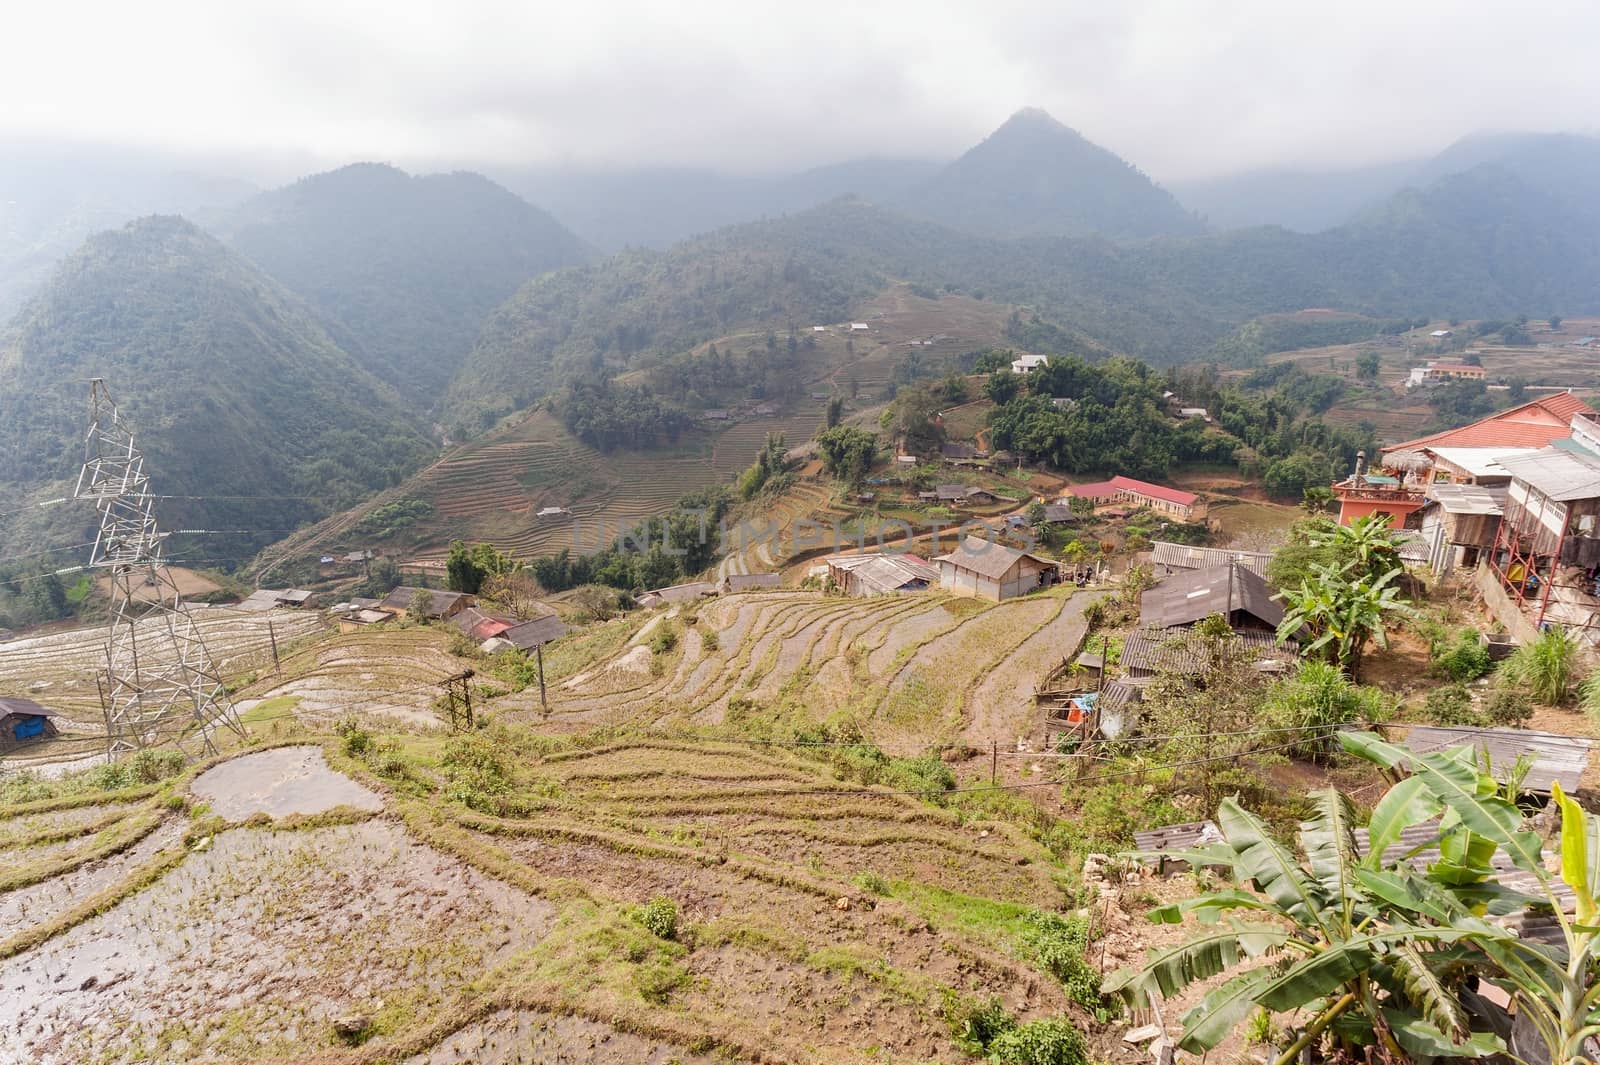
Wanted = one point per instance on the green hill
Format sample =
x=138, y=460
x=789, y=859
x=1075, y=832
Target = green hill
x=232, y=386
x=405, y=268
x=1036, y=177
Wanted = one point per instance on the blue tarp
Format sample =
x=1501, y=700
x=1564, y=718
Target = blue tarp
x=29, y=727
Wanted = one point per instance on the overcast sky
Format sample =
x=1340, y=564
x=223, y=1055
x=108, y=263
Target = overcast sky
x=1182, y=88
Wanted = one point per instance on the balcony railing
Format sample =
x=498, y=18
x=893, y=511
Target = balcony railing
x=1380, y=493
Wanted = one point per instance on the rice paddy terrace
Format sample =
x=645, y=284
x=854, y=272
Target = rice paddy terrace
x=910, y=671
x=503, y=897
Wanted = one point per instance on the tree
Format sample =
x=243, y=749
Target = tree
x=1002, y=387
x=467, y=568
x=847, y=453
x=1316, y=499
x=1555, y=321
x=1472, y=358
x=421, y=606
x=835, y=412
x=1373, y=951
x=1367, y=365
x=1035, y=514
x=1517, y=389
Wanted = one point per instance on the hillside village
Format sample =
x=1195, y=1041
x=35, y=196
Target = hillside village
x=991, y=607
x=991, y=679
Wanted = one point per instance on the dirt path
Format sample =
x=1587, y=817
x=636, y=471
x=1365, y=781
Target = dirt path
x=1001, y=709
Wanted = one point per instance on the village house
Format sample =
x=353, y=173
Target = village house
x=688, y=592
x=1234, y=591
x=1545, y=564
x=1174, y=503
x=22, y=720
x=1459, y=524
x=1170, y=558
x=880, y=573
x=993, y=571
x=749, y=582
x=1026, y=364
x=479, y=625
x=1470, y=454
x=532, y=635
x=441, y=604
x=358, y=619
x=959, y=451
x=273, y=598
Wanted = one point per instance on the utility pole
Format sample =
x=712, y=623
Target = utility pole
x=161, y=686
x=538, y=650
x=272, y=635
x=458, y=700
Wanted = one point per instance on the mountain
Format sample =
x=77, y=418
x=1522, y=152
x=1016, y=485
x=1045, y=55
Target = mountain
x=404, y=268
x=1306, y=201
x=1483, y=243
x=53, y=196
x=1036, y=177
x=1310, y=201
x=232, y=386
x=655, y=208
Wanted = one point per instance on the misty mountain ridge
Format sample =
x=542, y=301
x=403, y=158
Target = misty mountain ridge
x=404, y=269
x=1036, y=177
x=231, y=383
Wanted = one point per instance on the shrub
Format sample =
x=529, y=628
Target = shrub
x=873, y=884
x=111, y=777
x=1057, y=943
x=656, y=983
x=1507, y=708
x=357, y=740
x=660, y=917
x=976, y=1025
x=1544, y=667
x=1465, y=660
x=148, y=767
x=665, y=639
x=709, y=641
x=1450, y=704
x=1053, y=1041
x=475, y=771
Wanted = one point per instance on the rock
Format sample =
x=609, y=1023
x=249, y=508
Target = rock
x=843, y=903
x=1143, y=1034
x=89, y=983
x=351, y=1025
x=1164, y=1051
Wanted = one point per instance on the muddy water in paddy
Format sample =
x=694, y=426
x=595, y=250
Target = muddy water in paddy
x=287, y=780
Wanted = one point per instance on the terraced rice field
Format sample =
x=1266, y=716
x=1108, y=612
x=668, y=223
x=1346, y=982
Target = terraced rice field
x=59, y=669
x=811, y=919
x=910, y=670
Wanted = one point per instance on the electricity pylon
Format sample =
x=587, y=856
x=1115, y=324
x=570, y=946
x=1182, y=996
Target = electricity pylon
x=160, y=686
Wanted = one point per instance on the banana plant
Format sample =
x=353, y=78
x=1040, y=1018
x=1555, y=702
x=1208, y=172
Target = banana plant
x=1367, y=950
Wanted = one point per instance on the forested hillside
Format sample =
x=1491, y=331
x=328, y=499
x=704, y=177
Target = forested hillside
x=230, y=383
x=1481, y=243
x=404, y=268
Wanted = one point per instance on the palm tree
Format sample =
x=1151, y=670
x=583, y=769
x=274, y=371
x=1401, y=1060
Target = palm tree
x=1367, y=950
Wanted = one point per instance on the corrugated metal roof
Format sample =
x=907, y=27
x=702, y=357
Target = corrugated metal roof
x=12, y=704
x=1178, y=837
x=1185, y=598
x=1468, y=498
x=440, y=601
x=885, y=572
x=535, y=633
x=1479, y=461
x=685, y=593
x=1185, y=556
x=1177, y=650
x=739, y=582
x=986, y=558
x=1555, y=757
x=1556, y=473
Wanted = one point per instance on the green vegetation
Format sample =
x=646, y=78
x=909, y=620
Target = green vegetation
x=1373, y=951
x=768, y=468
x=1545, y=668
x=655, y=553
x=608, y=416
x=847, y=453
x=468, y=568
x=232, y=387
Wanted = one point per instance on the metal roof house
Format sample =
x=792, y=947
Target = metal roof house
x=1558, y=758
x=528, y=635
x=22, y=720
x=1459, y=523
x=1170, y=558
x=1235, y=591
x=441, y=604
x=749, y=582
x=993, y=571
x=881, y=573
x=1548, y=541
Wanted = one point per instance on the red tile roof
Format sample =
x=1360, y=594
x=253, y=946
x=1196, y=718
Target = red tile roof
x=1119, y=483
x=1533, y=424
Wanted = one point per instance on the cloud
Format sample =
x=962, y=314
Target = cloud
x=1181, y=87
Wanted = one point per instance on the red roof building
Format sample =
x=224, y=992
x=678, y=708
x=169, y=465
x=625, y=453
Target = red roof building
x=1119, y=489
x=1532, y=425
